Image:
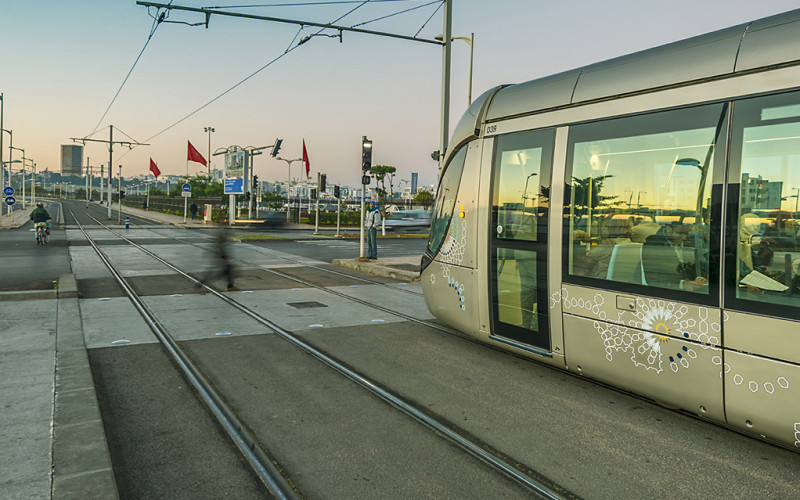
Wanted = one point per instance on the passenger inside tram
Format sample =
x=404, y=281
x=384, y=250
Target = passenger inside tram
x=666, y=260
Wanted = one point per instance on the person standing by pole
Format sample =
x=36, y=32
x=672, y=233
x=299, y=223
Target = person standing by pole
x=372, y=221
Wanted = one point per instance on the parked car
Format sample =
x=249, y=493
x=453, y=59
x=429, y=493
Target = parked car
x=408, y=221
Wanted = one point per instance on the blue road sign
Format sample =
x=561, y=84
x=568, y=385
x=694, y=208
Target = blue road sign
x=234, y=185
x=10, y=200
x=187, y=187
x=8, y=191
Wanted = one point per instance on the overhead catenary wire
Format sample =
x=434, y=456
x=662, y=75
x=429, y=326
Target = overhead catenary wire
x=429, y=19
x=292, y=47
x=157, y=20
x=254, y=73
x=401, y=12
x=299, y=4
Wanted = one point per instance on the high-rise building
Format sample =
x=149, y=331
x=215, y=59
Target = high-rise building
x=71, y=159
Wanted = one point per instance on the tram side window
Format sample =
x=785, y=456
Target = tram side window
x=765, y=162
x=446, y=200
x=640, y=194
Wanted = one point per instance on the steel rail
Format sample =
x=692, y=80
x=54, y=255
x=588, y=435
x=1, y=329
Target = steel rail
x=261, y=464
x=544, y=488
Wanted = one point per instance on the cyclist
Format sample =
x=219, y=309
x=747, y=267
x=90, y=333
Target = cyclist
x=40, y=216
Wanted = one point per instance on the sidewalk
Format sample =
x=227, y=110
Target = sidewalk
x=53, y=440
x=16, y=218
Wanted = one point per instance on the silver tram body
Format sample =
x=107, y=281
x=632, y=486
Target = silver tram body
x=636, y=221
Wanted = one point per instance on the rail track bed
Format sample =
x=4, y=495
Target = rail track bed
x=346, y=387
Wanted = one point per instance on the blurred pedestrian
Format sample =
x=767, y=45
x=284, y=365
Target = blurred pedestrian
x=372, y=222
x=193, y=209
x=223, y=259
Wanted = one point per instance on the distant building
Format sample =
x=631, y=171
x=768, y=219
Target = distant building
x=759, y=193
x=71, y=159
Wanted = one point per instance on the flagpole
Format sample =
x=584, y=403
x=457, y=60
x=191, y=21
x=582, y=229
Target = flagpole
x=185, y=198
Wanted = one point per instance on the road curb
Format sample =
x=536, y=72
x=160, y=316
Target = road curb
x=81, y=461
x=377, y=269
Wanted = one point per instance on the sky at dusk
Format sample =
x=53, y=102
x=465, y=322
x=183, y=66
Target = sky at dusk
x=63, y=61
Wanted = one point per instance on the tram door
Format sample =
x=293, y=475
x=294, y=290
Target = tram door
x=518, y=239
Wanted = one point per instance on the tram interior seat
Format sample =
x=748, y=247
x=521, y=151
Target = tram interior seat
x=625, y=264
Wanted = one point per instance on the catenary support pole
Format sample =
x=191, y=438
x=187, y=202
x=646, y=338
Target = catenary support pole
x=445, y=118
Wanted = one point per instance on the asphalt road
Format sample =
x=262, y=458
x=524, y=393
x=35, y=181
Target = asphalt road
x=35, y=267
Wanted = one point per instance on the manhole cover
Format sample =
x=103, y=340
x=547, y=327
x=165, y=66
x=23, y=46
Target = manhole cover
x=305, y=305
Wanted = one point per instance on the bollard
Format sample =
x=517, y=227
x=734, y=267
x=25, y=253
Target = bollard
x=127, y=222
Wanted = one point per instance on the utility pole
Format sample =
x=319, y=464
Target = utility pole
x=445, y=118
x=110, y=143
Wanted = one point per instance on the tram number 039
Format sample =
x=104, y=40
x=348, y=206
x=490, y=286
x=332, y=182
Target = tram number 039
x=491, y=129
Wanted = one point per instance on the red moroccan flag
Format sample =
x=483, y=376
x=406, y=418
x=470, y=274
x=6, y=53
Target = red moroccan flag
x=154, y=168
x=305, y=160
x=194, y=155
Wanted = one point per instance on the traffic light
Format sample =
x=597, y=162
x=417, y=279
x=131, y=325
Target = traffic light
x=122, y=194
x=313, y=194
x=322, y=179
x=247, y=196
x=366, y=154
x=276, y=147
x=336, y=192
x=255, y=182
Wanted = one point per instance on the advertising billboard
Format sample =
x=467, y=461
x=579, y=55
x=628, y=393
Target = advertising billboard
x=235, y=171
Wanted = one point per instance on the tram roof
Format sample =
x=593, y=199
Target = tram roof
x=758, y=44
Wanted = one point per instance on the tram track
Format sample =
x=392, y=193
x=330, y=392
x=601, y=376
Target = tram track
x=530, y=480
x=247, y=444
x=262, y=465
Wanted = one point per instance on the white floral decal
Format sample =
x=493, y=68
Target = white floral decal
x=452, y=253
x=797, y=434
x=647, y=336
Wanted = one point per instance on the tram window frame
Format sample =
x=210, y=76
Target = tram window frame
x=752, y=113
x=438, y=229
x=518, y=236
x=715, y=116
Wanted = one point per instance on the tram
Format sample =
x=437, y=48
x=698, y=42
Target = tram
x=636, y=222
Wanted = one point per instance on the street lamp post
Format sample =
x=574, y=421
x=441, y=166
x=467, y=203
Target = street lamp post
x=33, y=184
x=23, y=173
x=289, y=186
x=209, y=130
x=470, y=42
x=119, y=196
x=2, y=168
